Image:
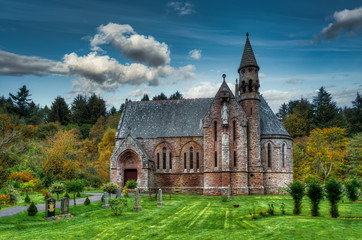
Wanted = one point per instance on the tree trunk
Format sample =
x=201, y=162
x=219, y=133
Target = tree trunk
x=74, y=200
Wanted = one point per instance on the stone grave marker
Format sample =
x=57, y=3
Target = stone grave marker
x=229, y=193
x=105, y=200
x=50, y=209
x=64, y=208
x=137, y=206
x=160, y=203
x=119, y=192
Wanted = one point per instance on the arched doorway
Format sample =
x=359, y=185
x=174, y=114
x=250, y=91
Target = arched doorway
x=130, y=166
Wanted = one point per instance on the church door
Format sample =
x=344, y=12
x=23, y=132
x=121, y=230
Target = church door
x=130, y=174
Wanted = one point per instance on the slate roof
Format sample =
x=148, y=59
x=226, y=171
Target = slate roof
x=180, y=118
x=248, y=58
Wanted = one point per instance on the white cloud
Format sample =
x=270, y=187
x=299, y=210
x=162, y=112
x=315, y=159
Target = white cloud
x=293, y=81
x=205, y=90
x=345, y=20
x=195, y=54
x=134, y=46
x=182, y=8
x=262, y=75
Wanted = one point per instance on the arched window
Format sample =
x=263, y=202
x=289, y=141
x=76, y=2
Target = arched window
x=234, y=130
x=269, y=155
x=215, y=160
x=164, y=158
x=197, y=160
x=170, y=160
x=158, y=160
x=215, y=131
x=191, y=158
x=283, y=155
x=234, y=158
x=250, y=85
x=185, y=166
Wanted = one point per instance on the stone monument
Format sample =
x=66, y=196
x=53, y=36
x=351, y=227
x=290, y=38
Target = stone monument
x=229, y=193
x=105, y=200
x=64, y=208
x=137, y=206
x=50, y=209
x=160, y=203
x=119, y=192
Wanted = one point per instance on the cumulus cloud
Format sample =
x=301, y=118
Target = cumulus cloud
x=182, y=8
x=18, y=65
x=132, y=45
x=195, y=54
x=293, y=81
x=345, y=20
x=96, y=72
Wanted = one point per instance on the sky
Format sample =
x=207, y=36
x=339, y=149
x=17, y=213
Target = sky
x=124, y=49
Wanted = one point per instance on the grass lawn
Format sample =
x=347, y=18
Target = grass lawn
x=191, y=217
x=37, y=197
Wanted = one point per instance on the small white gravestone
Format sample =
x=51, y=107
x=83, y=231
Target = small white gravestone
x=160, y=203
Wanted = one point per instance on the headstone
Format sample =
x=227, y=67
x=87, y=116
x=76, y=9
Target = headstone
x=64, y=208
x=137, y=206
x=119, y=192
x=160, y=203
x=229, y=193
x=105, y=200
x=50, y=209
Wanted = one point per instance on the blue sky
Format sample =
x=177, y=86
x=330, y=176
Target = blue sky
x=123, y=49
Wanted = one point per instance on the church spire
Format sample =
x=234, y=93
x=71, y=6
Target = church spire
x=248, y=58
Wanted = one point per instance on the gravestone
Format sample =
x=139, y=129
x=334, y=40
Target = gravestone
x=50, y=209
x=137, y=206
x=64, y=208
x=229, y=193
x=119, y=192
x=160, y=203
x=105, y=200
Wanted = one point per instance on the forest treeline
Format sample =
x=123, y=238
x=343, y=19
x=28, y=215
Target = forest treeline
x=42, y=145
x=327, y=139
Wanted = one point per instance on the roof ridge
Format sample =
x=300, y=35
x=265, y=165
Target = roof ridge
x=172, y=100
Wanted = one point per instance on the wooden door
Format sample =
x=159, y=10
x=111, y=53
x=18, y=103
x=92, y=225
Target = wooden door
x=130, y=174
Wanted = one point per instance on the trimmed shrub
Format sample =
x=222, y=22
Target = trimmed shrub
x=334, y=193
x=78, y=194
x=74, y=186
x=57, y=188
x=110, y=187
x=352, y=189
x=131, y=183
x=296, y=190
x=27, y=198
x=66, y=195
x=32, y=209
x=87, y=201
x=315, y=193
x=13, y=193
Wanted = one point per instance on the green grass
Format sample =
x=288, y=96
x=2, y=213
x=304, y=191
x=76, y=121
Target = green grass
x=37, y=197
x=191, y=217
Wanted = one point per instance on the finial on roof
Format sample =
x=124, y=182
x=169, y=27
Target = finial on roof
x=129, y=130
x=247, y=34
x=224, y=76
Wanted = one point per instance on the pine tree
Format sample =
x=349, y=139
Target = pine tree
x=176, y=96
x=59, y=111
x=145, y=97
x=80, y=114
x=32, y=210
x=354, y=115
x=162, y=96
x=112, y=111
x=282, y=112
x=21, y=102
x=326, y=113
x=96, y=108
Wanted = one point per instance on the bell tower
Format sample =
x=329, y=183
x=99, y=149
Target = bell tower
x=250, y=102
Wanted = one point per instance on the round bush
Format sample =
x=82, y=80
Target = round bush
x=87, y=201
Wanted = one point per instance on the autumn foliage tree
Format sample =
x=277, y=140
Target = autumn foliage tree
x=62, y=155
x=105, y=149
x=327, y=151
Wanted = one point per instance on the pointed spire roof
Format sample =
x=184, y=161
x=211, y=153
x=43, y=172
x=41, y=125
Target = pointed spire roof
x=248, y=59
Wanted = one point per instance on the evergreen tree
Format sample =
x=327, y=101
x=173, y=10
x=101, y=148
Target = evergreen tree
x=162, y=96
x=326, y=113
x=21, y=102
x=175, y=96
x=59, y=111
x=354, y=115
x=112, y=111
x=96, y=108
x=6, y=105
x=121, y=108
x=79, y=109
x=282, y=112
x=145, y=97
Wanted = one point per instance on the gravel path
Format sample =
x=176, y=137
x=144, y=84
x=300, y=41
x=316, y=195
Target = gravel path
x=96, y=197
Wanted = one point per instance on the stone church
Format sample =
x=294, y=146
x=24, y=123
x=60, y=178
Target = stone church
x=204, y=145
